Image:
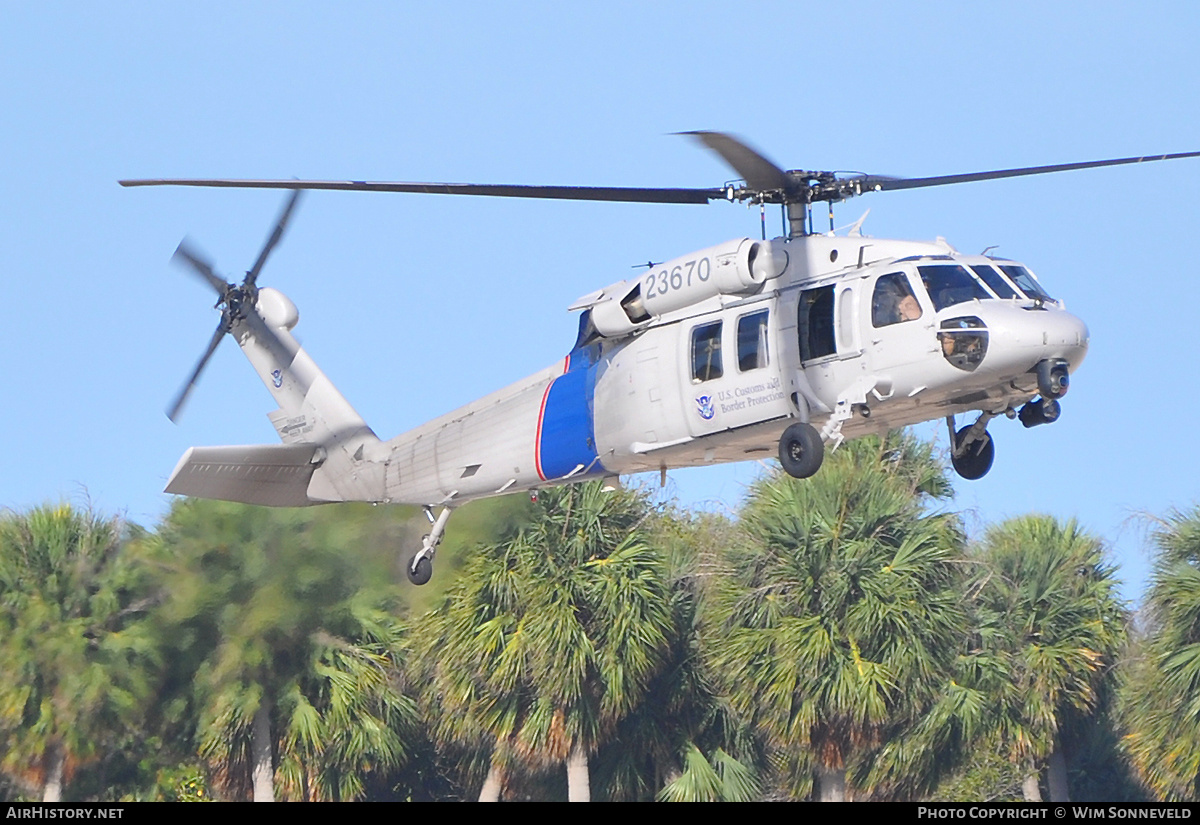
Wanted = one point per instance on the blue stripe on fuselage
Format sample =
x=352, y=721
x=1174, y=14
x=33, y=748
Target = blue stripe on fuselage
x=568, y=422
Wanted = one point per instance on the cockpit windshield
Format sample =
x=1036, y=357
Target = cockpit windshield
x=994, y=280
x=950, y=284
x=1025, y=281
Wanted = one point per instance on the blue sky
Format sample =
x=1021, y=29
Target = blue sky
x=414, y=305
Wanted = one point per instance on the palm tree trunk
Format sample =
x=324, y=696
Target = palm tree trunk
x=55, y=761
x=1029, y=787
x=831, y=784
x=491, y=786
x=1056, y=775
x=579, y=787
x=260, y=746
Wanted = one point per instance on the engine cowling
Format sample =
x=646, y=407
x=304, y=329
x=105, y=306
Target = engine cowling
x=737, y=267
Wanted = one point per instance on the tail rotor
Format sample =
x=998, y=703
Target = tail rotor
x=234, y=300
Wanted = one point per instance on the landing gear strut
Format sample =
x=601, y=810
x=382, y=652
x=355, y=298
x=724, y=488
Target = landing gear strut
x=420, y=569
x=971, y=448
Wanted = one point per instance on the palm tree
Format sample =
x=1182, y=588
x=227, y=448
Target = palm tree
x=1161, y=692
x=840, y=621
x=74, y=668
x=1050, y=626
x=551, y=637
x=683, y=742
x=283, y=637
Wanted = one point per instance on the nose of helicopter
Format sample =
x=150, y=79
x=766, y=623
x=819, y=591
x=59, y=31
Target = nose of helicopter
x=1064, y=336
x=1023, y=336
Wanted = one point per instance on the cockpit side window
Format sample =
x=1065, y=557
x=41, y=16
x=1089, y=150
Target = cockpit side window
x=994, y=280
x=893, y=301
x=752, y=341
x=706, y=352
x=950, y=284
x=1024, y=279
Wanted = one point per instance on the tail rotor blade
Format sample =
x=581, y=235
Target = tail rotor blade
x=276, y=234
x=186, y=256
x=176, y=406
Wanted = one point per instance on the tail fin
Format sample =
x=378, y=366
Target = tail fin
x=311, y=410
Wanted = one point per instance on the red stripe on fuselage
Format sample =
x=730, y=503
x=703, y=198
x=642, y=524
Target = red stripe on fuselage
x=537, y=440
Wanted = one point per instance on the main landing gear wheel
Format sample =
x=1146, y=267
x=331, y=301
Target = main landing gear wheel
x=801, y=451
x=973, y=462
x=419, y=570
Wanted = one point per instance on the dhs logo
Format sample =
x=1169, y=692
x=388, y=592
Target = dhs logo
x=704, y=405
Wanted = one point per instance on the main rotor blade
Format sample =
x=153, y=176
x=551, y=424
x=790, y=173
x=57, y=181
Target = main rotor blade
x=760, y=174
x=184, y=254
x=177, y=404
x=276, y=234
x=883, y=184
x=570, y=193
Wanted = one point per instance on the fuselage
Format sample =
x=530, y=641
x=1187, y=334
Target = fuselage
x=852, y=334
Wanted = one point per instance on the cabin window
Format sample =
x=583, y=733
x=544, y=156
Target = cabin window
x=994, y=280
x=706, y=352
x=752, y=341
x=950, y=284
x=893, y=301
x=814, y=323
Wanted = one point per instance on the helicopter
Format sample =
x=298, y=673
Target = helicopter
x=750, y=348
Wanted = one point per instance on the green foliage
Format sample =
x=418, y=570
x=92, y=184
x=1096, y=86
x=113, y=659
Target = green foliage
x=182, y=783
x=681, y=715
x=1050, y=626
x=292, y=611
x=839, y=619
x=1099, y=770
x=553, y=635
x=75, y=664
x=720, y=779
x=988, y=776
x=1161, y=690
x=192, y=788
x=835, y=629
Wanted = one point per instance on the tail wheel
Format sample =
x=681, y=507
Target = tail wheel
x=419, y=570
x=973, y=461
x=801, y=451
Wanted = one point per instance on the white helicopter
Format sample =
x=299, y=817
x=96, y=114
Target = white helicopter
x=735, y=352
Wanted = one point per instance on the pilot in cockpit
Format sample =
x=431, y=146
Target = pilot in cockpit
x=894, y=301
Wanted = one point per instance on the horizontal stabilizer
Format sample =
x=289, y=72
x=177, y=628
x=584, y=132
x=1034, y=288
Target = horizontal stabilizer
x=276, y=475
